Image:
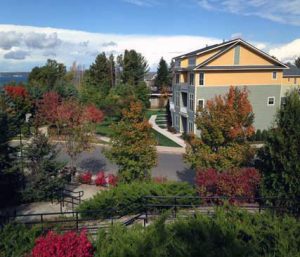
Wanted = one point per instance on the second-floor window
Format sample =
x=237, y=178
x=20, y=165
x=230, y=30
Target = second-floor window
x=274, y=75
x=192, y=76
x=201, y=104
x=201, y=78
x=177, y=78
x=177, y=63
x=295, y=80
x=191, y=102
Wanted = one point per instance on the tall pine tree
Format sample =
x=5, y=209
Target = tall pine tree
x=279, y=159
x=163, y=75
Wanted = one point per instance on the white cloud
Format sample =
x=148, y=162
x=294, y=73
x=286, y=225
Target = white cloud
x=142, y=2
x=71, y=45
x=287, y=12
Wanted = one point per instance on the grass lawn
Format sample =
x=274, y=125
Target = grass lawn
x=104, y=129
x=164, y=141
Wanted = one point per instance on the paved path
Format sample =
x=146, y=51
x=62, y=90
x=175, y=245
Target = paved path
x=174, y=137
x=170, y=164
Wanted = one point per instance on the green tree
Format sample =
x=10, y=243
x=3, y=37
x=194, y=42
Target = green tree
x=43, y=168
x=46, y=77
x=279, y=159
x=225, y=124
x=163, y=78
x=134, y=67
x=133, y=145
x=297, y=62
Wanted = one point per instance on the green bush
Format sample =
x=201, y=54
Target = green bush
x=16, y=240
x=230, y=233
x=128, y=198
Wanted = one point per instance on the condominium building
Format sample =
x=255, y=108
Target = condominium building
x=202, y=74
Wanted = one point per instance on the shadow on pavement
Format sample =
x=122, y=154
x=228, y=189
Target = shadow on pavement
x=93, y=165
x=187, y=175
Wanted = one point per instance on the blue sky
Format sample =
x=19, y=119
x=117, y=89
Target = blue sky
x=273, y=25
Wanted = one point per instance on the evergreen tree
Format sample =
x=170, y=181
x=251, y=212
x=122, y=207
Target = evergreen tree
x=297, y=62
x=112, y=70
x=134, y=67
x=163, y=75
x=279, y=159
x=43, y=179
x=133, y=145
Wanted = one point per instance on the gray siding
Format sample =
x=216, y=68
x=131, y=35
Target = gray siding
x=258, y=96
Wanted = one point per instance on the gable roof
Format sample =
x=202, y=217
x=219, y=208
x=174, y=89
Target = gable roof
x=235, y=42
x=206, y=49
x=293, y=71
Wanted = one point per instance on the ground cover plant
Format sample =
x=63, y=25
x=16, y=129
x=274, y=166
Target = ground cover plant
x=128, y=198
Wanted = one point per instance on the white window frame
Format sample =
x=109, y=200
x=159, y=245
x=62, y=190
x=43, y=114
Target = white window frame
x=268, y=102
x=203, y=78
x=201, y=99
x=274, y=72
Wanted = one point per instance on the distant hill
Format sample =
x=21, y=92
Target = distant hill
x=10, y=77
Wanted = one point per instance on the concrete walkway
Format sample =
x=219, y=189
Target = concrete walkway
x=174, y=137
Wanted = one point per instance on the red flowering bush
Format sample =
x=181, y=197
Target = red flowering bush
x=100, y=179
x=112, y=180
x=160, y=180
x=86, y=177
x=232, y=183
x=69, y=244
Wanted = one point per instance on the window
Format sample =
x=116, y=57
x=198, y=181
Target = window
x=177, y=78
x=295, y=80
x=274, y=74
x=177, y=98
x=177, y=63
x=288, y=79
x=192, y=61
x=190, y=127
x=271, y=100
x=201, y=104
x=201, y=78
x=191, y=102
x=192, y=79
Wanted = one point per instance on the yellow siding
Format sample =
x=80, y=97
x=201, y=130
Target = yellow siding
x=241, y=78
x=225, y=59
x=249, y=57
x=184, y=63
x=291, y=81
x=183, y=77
x=203, y=57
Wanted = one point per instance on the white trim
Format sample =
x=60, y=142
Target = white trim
x=233, y=69
x=269, y=97
x=201, y=99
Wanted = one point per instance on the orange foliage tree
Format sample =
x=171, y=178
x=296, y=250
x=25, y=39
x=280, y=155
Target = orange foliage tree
x=225, y=123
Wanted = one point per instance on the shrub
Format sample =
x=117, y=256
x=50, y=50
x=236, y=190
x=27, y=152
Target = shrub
x=17, y=240
x=65, y=245
x=232, y=183
x=100, y=179
x=230, y=233
x=160, y=180
x=86, y=177
x=129, y=198
x=112, y=180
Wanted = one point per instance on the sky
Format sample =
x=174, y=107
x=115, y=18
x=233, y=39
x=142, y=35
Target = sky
x=33, y=31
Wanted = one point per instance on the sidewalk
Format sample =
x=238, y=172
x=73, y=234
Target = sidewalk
x=166, y=133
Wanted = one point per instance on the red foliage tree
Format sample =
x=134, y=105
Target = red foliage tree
x=16, y=91
x=69, y=244
x=92, y=114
